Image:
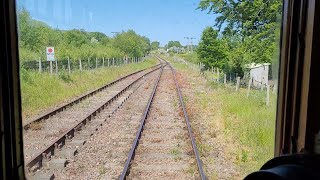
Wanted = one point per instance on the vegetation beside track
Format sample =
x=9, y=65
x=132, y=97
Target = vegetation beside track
x=244, y=127
x=41, y=91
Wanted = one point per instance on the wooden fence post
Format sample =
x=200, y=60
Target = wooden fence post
x=238, y=84
x=108, y=62
x=103, y=62
x=249, y=86
x=69, y=68
x=225, y=79
x=40, y=66
x=112, y=61
x=88, y=63
x=268, y=95
x=218, y=78
x=80, y=64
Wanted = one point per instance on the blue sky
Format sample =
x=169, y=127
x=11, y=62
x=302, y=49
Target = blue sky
x=159, y=20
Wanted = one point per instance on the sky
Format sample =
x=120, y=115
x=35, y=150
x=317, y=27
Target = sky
x=159, y=20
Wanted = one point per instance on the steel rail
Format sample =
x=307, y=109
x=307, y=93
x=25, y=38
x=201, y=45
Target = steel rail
x=59, y=142
x=193, y=143
x=139, y=132
x=81, y=98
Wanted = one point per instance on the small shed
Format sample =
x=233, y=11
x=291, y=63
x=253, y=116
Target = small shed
x=259, y=73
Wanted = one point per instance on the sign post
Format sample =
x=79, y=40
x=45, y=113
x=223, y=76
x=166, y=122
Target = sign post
x=50, y=56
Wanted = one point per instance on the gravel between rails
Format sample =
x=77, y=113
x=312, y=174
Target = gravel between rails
x=45, y=132
x=164, y=151
x=104, y=155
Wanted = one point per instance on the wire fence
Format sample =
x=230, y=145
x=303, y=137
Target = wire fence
x=232, y=80
x=75, y=65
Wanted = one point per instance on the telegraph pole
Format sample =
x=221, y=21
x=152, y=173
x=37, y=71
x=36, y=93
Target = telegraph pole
x=115, y=33
x=191, y=43
x=188, y=47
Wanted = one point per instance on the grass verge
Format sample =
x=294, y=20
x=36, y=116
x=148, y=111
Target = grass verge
x=226, y=122
x=42, y=91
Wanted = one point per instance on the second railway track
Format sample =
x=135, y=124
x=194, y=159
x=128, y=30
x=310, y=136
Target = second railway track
x=54, y=139
x=40, y=133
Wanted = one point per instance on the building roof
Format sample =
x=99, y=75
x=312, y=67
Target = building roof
x=254, y=65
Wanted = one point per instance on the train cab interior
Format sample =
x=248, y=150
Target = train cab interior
x=297, y=135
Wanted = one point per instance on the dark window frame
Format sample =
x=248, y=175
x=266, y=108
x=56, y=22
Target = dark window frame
x=12, y=159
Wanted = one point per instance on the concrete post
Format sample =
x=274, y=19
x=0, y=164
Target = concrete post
x=51, y=67
x=268, y=95
x=238, y=84
x=80, y=64
x=69, y=68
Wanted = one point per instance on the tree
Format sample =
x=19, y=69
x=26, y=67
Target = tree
x=132, y=44
x=249, y=27
x=155, y=45
x=35, y=36
x=212, y=50
x=174, y=44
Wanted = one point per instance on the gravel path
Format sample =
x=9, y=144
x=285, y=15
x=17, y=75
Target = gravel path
x=164, y=151
x=45, y=132
x=104, y=154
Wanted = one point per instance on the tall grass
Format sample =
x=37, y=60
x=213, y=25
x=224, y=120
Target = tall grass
x=251, y=124
x=41, y=91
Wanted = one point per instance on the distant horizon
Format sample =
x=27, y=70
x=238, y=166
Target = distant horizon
x=159, y=20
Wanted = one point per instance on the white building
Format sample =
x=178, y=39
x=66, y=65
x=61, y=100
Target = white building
x=259, y=73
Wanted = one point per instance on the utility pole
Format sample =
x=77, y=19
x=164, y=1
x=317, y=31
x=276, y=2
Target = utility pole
x=188, y=47
x=115, y=33
x=190, y=44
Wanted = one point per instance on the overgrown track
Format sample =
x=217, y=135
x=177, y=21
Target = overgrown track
x=132, y=153
x=45, y=155
x=62, y=107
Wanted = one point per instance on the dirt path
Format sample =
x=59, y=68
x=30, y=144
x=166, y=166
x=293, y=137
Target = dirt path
x=164, y=151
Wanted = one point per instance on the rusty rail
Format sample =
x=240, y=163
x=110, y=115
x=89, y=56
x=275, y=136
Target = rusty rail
x=49, y=150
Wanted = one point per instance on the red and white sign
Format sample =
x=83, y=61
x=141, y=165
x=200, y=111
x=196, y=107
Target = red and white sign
x=50, y=53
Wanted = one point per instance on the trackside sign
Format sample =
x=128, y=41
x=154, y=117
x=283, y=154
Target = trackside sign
x=50, y=53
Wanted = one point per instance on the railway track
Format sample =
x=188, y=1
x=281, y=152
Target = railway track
x=160, y=149
x=160, y=132
x=43, y=130
x=65, y=143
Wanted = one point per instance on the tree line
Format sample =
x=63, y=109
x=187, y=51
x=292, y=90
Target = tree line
x=244, y=32
x=35, y=36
